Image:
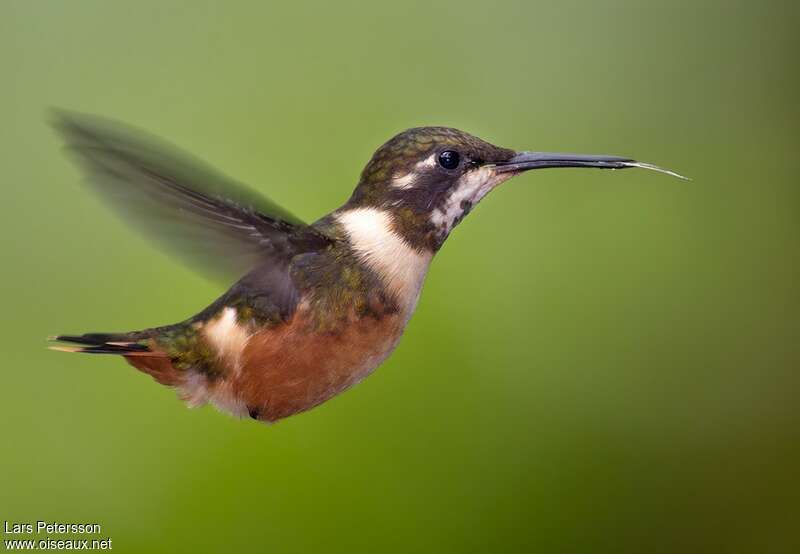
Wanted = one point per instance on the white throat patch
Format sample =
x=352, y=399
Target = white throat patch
x=401, y=266
x=471, y=188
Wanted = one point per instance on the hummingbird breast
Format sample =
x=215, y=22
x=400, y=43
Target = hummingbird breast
x=352, y=305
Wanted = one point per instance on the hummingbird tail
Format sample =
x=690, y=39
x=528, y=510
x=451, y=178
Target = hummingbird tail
x=105, y=343
x=137, y=349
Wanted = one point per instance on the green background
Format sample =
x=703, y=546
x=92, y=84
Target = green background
x=600, y=361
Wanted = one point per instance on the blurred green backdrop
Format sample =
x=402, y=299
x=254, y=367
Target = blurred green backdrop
x=600, y=361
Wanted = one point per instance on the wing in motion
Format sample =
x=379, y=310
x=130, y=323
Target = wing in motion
x=202, y=216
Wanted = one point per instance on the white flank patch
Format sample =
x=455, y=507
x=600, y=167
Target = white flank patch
x=472, y=187
x=227, y=337
x=401, y=266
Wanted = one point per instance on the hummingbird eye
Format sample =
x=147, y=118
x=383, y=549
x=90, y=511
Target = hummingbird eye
x=449, y=159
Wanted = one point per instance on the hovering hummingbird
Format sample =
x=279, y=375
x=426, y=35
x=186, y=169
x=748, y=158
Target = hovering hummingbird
x=316, y=307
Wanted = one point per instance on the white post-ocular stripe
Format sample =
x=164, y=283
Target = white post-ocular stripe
x=402, y=267
x=407, y=181
x=404, y=181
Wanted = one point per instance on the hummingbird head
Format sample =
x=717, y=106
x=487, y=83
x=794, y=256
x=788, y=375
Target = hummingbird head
x=428, y=178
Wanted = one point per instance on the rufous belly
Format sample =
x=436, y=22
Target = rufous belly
x=293, y=367
x=272, y=373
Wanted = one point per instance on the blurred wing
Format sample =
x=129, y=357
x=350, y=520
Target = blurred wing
x=198, y=214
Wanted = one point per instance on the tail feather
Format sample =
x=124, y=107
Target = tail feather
x=104, y=343
x=137, y=348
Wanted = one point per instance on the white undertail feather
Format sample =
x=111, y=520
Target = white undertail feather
x=401, y=266
x=194, y=389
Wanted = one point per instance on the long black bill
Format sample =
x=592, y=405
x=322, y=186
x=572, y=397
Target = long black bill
x=539, y=160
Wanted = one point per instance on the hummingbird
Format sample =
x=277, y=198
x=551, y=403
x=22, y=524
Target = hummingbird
x=314, y=308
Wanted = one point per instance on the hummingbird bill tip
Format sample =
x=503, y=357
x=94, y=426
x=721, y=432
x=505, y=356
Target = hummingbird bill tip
x=651, y=167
